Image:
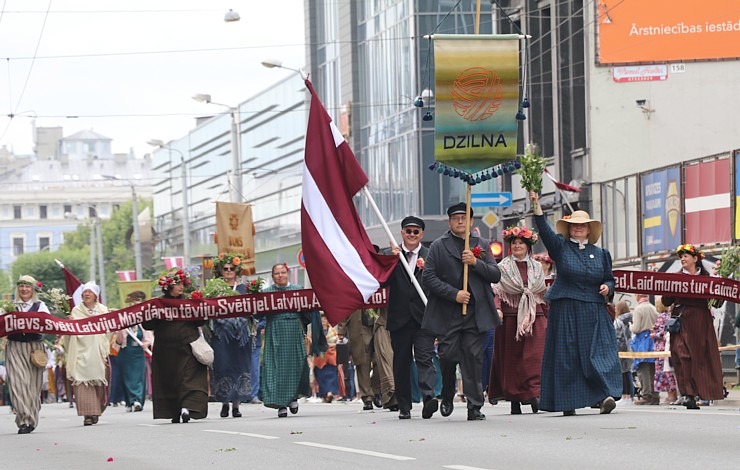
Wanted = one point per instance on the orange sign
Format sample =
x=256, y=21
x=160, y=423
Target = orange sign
x=632, y=31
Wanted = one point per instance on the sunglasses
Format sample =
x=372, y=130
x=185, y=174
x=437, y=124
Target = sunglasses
x=410, y=231
x=226, y=268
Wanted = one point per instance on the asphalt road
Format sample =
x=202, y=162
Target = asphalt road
x=340, y=436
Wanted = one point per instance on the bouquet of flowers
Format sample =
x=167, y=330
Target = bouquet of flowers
x=255, y=285
x=58, y=301
x=726, y=267
x=532, y=167
x=6, y=306
x=216, y=287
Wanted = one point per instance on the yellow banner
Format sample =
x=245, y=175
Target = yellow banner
x=477, y=99
x=134, y=292
x=235, y=232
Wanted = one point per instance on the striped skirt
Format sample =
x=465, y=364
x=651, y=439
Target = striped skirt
x=91, y=400
x=24, y=381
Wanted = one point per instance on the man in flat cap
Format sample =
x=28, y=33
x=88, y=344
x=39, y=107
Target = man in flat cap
x=460, y=337
x=405, y=315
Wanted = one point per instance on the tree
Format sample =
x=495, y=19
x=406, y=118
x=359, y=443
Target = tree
x=41, y=265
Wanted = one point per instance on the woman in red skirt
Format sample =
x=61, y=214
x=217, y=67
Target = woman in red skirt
x=694, y=352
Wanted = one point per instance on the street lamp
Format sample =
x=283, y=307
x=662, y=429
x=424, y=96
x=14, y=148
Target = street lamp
x=235, y=185
x=185, y=204
x=135, y=214
x=277, y=64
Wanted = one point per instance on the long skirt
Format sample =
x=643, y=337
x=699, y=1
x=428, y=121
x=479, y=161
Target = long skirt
x=515, y=372
x=232, y=371
x=328, y=380
x=132, y=366
x=178, y=381
x=695, y=357
x=580, y=365
x=284, y=372
x=91, y=400
x=24, y=381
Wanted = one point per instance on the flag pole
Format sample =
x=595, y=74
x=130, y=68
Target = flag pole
x=59, y=263
x=467, y=243
x=565, y=199
x=403, y=259
x=133, y=336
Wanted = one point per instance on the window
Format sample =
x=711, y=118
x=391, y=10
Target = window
x=16, y=212
x=67, y=209
x=92, y=212
x=44, y=243
x=18, y=246
x=42, y=212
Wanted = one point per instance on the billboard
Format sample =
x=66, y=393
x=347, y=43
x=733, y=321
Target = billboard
x=633, y=31
x=707, y=202
x=737, y=195
x=660, y=192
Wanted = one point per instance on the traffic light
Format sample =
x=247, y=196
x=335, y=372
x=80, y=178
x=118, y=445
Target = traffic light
x=497, y=250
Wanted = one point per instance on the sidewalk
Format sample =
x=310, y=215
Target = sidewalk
x=732, y=400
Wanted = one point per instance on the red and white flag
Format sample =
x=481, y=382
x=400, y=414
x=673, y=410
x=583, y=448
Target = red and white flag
x=126, y=275
x=560, y=185
x=344, y=269
x=74, y=286
x=174, y=262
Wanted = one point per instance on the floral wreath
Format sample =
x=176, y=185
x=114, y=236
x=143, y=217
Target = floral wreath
x=234, y=259
x=523, y=233
x=172, y=277
x=689, y=249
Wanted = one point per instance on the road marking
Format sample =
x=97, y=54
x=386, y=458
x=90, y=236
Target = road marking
x=356, y=451
x=248, y=434
x=462, y=467
x=149, y=425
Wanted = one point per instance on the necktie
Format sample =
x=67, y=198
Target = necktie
x=409, y=254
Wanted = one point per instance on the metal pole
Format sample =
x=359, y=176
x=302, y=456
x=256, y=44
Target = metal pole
x=137, y=235
x=92, y=250
x=235, y=189
x=101, y=262
x=185, y=218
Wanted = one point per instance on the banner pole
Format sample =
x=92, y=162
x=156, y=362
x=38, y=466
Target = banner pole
x=467, y=243
x=402, y=258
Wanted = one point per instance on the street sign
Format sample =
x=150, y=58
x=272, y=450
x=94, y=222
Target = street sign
x=490, y=219
x=301, y=259
x=490, y=199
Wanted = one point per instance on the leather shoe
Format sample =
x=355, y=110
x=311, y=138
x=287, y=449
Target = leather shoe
x=516, y=408
x=607, y=405
x=393, y=408
x=430, y=407
x=185, y=416
x=569, y=413
x=293, y=406
x=282, y=412
x=377, y=401
x=225, y=411
x=25, y=429
x=404, y=415
x=236, y=413
x=446, y=407
x=474, y=414
x=534, y=403
x=368, y=406
x=691, y=404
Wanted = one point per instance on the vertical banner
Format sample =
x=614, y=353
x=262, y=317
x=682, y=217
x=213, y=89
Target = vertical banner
x=134, y=292
x=477, y=99
x=235, y=232
x=660, y=192
x=707, y=202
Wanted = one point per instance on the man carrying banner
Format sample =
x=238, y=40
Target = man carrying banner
x=461, y=335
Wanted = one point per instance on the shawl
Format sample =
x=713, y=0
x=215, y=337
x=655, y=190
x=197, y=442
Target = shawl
x=512, y=291
x=87, y=354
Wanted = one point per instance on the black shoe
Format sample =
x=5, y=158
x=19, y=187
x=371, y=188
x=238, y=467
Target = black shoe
x=368, y=406
x=185, y=416
x=236, y=413
x=535, y=404
x=225, y=411
x=446, y=407
x=607, y=406
x=393, y=408
x=516, y=408
x=176, y=419
x=293, y=406
x=430, y=407
x=282, y=412
x=25, y=429
x=404, y=415
x=474, y=414
x=569, y=413
x=691, y=404
x=492, y=401
x=377, y=401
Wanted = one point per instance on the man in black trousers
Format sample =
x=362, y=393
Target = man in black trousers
x=405, y=314
x=460, y=336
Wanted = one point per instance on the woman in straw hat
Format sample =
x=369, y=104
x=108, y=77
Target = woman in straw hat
x=24, y=378
x=580, y=366
x=520, y=340
x=694, y=356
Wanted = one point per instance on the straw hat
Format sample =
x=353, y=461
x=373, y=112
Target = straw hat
x=579, y=217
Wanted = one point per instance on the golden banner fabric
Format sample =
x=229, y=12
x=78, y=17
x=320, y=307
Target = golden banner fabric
x=477, y=99
x=235, y=232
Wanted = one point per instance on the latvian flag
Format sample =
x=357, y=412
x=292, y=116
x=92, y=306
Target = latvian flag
x=174, y=262
x=73, y=285
x=126, y=275
x=560, y=185
x=344, y=269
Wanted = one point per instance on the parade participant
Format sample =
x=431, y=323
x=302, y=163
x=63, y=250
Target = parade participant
x=460, y=336
x=87, y=359
x=664, y=381
x=520, y=340
x=325, y=364
x=179, y=381
x=580, y=365
x=24, y=378
x=694, y=355
x=546, y=263
x=643, y=321
x=621, y=322
x=284, y=373
x=232, y=343
x=358, y=327
x=410, y=341
x=132, y=364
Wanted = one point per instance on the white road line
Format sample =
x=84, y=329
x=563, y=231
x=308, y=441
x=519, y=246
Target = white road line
x=462, y=467
x=355, y=451
x=248, y=434
x=149, y=425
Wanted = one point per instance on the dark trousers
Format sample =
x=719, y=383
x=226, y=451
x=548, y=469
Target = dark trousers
x=463, y=344
x=412, y=342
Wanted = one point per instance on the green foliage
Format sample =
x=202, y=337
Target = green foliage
x=6, y=284
x=532, y=167
x=217, y=287
x=41, y=265
x=729, y=265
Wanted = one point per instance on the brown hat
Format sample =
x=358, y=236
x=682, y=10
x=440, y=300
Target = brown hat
x=579, y=217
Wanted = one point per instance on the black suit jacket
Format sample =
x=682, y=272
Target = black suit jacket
x=404, y=302
x=443, y=276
